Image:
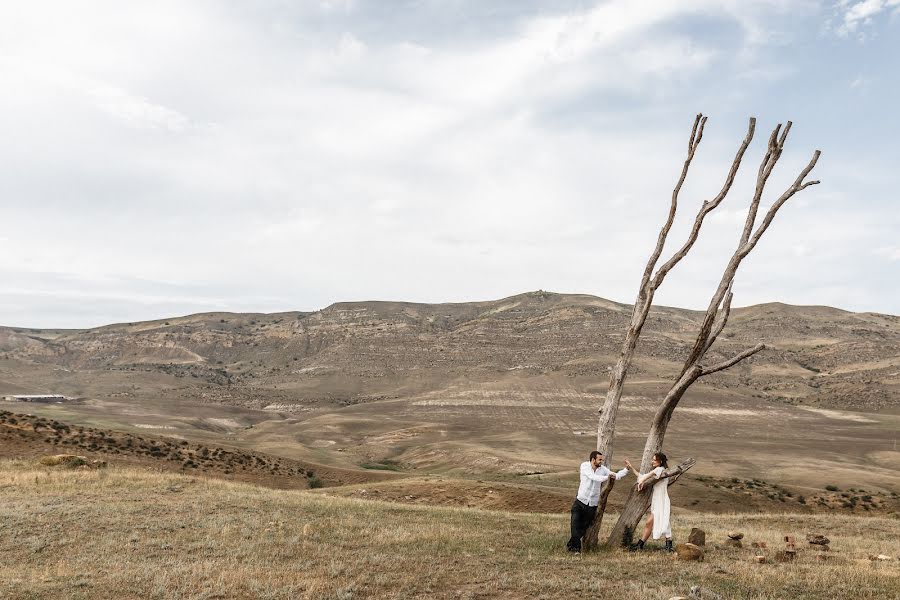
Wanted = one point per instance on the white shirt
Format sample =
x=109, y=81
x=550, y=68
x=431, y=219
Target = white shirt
x=591, y=481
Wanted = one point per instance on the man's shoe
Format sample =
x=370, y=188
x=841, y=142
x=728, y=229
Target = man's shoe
x=638, y=546
x=669, y=546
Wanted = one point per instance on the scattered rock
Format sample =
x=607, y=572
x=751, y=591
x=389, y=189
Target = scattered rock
x=735, y=535
x=697, y=537
x=879, y=557
x=758, y=545
x=759, y=558
x=790, y=539
x=817, y=539
x=688, y=552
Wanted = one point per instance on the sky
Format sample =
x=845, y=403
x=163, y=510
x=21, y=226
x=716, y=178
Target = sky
x=165, y=158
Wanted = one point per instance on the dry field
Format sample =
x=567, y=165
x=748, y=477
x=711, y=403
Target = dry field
x=132, y=533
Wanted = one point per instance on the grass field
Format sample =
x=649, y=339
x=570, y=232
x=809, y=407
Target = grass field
x=131, y=533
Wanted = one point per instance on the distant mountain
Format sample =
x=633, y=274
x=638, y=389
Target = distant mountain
x=359, y=351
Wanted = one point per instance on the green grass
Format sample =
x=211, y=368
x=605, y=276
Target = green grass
x=383, y=465
x=138, y=534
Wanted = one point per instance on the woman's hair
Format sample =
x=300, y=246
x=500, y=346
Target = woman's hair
x=663, y=461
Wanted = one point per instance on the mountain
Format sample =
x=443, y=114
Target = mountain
x=354, y=352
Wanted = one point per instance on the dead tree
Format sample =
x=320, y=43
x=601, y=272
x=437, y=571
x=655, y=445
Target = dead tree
x=716, y=316
x=714, y=320
x=650, y=282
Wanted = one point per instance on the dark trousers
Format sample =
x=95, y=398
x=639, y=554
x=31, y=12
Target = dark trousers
x=582, y=517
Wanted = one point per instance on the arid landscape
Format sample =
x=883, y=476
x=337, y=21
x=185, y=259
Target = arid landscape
x=485, y=406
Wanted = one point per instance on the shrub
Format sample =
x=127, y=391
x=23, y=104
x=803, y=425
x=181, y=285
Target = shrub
x=315, y=482
x=832, y=488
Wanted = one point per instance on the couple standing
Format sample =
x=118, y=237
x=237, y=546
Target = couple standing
x=594, y=474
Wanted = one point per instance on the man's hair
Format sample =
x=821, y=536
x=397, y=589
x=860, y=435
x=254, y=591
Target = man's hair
x=595, y=454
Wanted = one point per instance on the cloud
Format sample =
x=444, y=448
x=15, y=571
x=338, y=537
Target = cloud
x=857, y=15
x=296, y=154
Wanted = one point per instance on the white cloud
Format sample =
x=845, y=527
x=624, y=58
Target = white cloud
x=304, y=154
x=862, y=14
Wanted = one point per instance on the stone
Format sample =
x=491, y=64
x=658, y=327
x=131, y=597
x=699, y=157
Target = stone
x=880, y=557
x=697, y=537
x=817, y=539
x=758, y=545
x=759, y=558
x=790, y=539
x=732, y=543
x=688, y=552
x=735, y=535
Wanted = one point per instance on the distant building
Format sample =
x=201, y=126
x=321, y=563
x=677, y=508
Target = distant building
x=42, y=398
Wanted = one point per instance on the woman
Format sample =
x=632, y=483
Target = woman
x=658, y=522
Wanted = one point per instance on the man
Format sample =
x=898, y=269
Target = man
x=593, y=474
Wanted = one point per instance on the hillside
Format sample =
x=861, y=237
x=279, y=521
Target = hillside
x=130, y=533
x=351, y=353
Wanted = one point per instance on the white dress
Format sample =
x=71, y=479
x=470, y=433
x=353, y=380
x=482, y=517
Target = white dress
x=660, y=507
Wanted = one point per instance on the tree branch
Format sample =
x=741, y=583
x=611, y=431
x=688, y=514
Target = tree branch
x=795, y=187
x=732, y=361
x=721, y=319
x=677, y=471
x=706, y=208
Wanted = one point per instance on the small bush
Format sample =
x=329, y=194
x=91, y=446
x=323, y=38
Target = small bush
x=832, y=488
x=315, y=482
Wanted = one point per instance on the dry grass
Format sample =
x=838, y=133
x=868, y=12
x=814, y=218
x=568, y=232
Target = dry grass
x=128, y=533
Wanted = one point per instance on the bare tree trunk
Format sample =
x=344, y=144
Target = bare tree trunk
x=637, y=504
x=592, y=535
x=650, y=282
x=714, y=321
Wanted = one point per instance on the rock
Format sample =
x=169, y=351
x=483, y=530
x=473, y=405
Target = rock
x=679, y=598
x=759, y=558
x=688, y=552
x=817, y=539
x=784, y=556
x=790, y=539
x=758, y=545
x=735, y=535
x=732, y=543
x=697, y=537
x=880, y=557
x=789, y=547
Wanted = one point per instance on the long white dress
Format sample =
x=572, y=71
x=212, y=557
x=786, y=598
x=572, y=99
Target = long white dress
x=660, y=507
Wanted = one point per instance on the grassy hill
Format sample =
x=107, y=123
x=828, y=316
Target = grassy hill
x=134, y=533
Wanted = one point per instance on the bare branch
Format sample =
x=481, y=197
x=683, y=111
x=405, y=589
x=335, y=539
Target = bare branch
x=773, y=153
x=706, y=208
x=678, y=470
x=793, y=189
x=693, y=143
x=732, y=361
x=721, y=319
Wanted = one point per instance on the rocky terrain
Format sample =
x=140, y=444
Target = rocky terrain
x=351, y=353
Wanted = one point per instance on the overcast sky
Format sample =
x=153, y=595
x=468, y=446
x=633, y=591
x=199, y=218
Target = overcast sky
x=163, y=158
